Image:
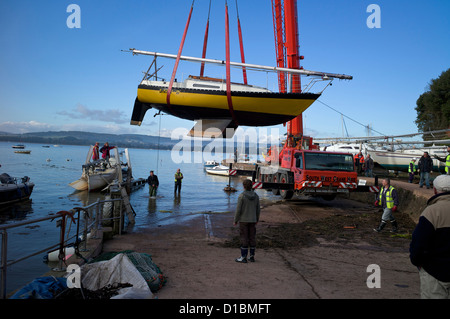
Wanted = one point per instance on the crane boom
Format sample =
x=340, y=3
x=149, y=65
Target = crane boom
x=287, y=49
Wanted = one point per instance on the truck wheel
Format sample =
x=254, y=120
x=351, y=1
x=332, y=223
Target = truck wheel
x=275, y=180
x=285, y=193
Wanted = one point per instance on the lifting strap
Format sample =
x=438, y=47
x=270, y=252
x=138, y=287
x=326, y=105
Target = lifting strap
x=227, y=48
x=205, y=41
x=241, y=45
x=169, y=90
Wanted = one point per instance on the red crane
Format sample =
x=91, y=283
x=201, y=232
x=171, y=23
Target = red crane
x=287, y=49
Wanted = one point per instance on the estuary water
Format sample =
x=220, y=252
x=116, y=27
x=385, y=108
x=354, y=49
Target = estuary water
x=53, y=167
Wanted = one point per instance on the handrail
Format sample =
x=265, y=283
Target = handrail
x=94, y=224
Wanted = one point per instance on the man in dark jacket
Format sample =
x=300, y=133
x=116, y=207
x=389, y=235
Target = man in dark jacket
x=425, y=168
x=247, y=215
x=430, y=244
x=105, y=150
x=153, y=184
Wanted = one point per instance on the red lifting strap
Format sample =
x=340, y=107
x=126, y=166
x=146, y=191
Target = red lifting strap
x=205, y=41
x=169, y=90
x=241, y=45
x=227, y=47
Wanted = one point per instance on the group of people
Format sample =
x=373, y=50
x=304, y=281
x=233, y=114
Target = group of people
x=153, y=183
x=425, y=167
x=365, y=164
x=104, y=150
x=430, y=244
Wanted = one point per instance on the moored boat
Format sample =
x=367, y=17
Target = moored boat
x=23, y=151
x=14, y=190
x=219, y=170
x=99, y=173
x=210, y=164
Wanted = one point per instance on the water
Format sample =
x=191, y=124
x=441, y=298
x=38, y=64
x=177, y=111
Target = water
x=53, y=168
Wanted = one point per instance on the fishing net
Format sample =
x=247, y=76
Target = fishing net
x=144, y=264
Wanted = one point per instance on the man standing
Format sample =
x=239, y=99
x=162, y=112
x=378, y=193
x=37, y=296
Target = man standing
x=446, y=160
x=247, y=215
x=95, y=152
x=388, y=200
x=105, y=150
x=425, y=168
x=153, y=184
x=412, y=169
x=368, y=166
x=178, y=178
x=430, y=245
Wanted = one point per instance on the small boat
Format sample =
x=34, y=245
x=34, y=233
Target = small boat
x=18, y=146
x=219, y=170
x=353, y=148
x=23, y=151
x=14, y=190
x=100, y=173
x=210, y=164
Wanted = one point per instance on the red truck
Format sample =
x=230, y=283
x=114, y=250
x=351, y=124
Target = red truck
x=307, y=171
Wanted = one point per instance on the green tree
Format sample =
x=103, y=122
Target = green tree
x=433, y=106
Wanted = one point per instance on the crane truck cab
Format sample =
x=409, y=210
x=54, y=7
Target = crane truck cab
x=309, y=172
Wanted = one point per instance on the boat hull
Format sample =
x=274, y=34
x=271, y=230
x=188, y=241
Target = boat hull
x=249, y=108
x=13, y=193
x=218, y=170
x=399, y=161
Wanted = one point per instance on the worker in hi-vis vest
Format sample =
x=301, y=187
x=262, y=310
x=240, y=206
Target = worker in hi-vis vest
x=446, y=160
x=178, y=178
x=388, y=200
x=412, y=169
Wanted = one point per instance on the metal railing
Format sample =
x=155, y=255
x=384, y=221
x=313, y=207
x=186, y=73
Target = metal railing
x=92, y=217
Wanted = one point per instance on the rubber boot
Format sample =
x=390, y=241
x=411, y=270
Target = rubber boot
x=394, y=226
x=380, y=227
x=252, y=255
x=243, y=258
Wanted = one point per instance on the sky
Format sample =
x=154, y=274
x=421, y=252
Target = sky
x=54, y=77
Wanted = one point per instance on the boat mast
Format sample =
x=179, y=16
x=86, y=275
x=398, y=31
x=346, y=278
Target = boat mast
x=256, y=67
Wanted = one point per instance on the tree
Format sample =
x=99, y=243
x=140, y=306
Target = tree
x=433, y=106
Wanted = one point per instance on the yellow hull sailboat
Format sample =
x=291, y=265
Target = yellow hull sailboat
x=204, y=98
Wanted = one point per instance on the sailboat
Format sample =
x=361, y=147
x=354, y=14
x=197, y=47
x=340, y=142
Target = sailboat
x=217, y=104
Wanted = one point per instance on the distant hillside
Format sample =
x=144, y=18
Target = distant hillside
x=88, y=138
x=120, y=140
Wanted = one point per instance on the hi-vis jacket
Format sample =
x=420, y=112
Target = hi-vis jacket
x=388, y=197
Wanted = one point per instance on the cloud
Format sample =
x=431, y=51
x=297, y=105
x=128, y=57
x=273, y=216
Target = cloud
x=82, y=112
x=25, y=127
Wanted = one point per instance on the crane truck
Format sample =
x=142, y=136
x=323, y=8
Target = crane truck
x=299, y=167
